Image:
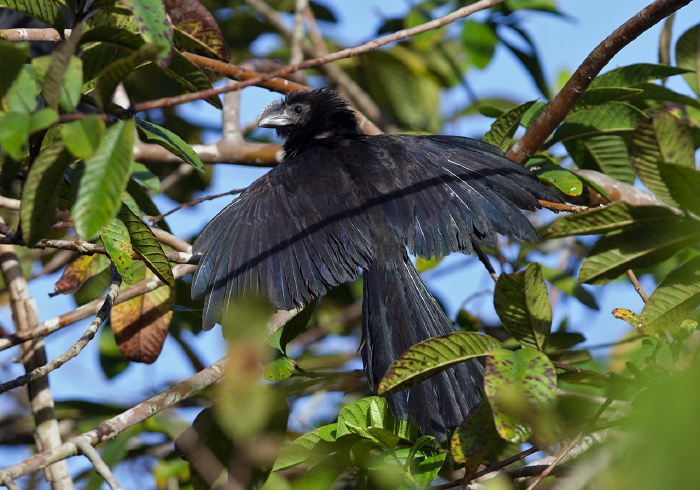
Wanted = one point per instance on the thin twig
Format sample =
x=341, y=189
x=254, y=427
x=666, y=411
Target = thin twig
x=86, y=248
x=338, y=55
x=576, y=370
x=116, y=425
x=156, y=219
x=100, y=466
x=75, y=349
x=637, y=286
x=564, y=101
x=574, y=441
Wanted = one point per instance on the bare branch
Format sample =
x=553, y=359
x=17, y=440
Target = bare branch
x=8, y=203
x=116, y=425
x=100, y=466
x=26, y=317
x=565, y=100
x=33, y=35
x=156, y=219
x=75, y=349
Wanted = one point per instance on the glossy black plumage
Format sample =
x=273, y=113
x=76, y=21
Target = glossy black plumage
x=343, y=203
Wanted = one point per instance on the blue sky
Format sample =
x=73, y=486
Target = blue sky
x=563, y=44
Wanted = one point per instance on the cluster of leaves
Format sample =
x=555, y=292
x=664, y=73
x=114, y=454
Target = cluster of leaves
x=626, y=126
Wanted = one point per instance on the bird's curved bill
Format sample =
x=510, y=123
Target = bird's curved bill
x=273, y=116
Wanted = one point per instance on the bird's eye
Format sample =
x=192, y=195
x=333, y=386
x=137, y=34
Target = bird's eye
x=298, y=109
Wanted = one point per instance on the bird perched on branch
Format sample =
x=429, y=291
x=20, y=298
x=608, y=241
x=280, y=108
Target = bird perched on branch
x=342, y=203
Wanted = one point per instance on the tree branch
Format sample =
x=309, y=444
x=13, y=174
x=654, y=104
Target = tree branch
x=564, y=101
x=26, y=317
x=75, y=349
x=116, y=425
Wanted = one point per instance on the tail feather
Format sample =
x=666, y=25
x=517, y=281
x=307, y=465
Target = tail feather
x=398, y=312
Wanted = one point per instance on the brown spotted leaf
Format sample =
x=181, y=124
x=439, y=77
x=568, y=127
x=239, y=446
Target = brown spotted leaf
x=79, y=271
x=196, y=30
x=141, y=324
x=429, y=357
x=518, y=384
x=474, y=439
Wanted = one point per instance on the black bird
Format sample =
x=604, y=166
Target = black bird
x=342, y=203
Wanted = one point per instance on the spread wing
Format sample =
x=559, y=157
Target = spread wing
x=294, y=233
x=442, y=193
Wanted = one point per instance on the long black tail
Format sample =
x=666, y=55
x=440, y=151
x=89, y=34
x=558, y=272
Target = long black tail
x=398, y=312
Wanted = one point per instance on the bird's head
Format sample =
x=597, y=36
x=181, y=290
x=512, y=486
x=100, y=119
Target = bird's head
x=307, y=116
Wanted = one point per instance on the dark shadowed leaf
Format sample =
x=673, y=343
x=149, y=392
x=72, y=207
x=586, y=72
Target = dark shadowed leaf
x=479, y=41
x=152, y=133
x=196, y=30
x=503, y=128
x=683, y=184
x=517, y=382
x=117, y=71
x=46, y=11
x=433, y=355
x=606, y=153
x=40, y=193
x=147, y=246
x=611, y=117
x=12, y=58
x=522, y=302
x=474, y=439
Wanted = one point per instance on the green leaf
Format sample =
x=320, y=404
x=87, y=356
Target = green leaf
x=611, y=117
x=154, y=26
x=633, y=75
x=373, y=411
x=14, y=134
x=522, y=302
x=479, y=41
x=503, y=128
x=12, y=58
x=674, y=299
x=152, y=133
x=658, y=94
x=605, y=153
x=599, y=96
x=425, y=469
x=42, y=120
x=115, y=238
x=310, y=447
x=191, y=77
x=61, y=73
x=147, y=246
x=111, y=360
x=688, y=57
x=117, y=71
x=280, y=369
x=642, y=245
x=22, y=95
x=683, y=184
x=40, y=193
x=47, y=11
x=663, y=139
x=423, y=265
x=425, y=40
x=561, y=178
x=104, y=179
x=609, y=218
x=82, y=137
x=516, y=382
x=432, y=356
x=474, y=438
